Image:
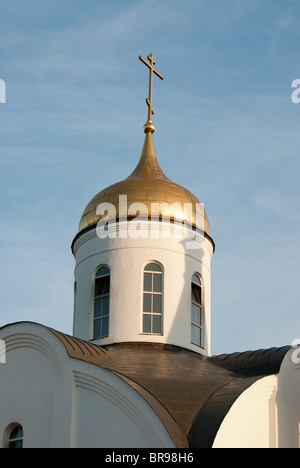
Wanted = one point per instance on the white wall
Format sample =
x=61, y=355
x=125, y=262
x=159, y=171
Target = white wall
x=266, y=415
x=64, y=402
x=127, y=259
x=288, y=401
x=33, y=387
x=250, y=421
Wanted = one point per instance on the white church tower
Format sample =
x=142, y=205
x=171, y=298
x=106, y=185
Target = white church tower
x=143, y=255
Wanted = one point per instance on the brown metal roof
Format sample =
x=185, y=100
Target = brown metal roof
x=253, y=363
x=190, y=393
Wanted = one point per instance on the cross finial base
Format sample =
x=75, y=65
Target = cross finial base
x=149, y=127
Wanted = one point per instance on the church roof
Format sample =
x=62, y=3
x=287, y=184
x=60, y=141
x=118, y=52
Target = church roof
x=156, y=195
x=190, y=393
x=147, y=186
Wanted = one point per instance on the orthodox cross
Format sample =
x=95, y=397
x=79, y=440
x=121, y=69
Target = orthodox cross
x=150, y=65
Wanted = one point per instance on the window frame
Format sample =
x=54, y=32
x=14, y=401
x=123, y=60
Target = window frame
x=102, y=296
x=8, y=440
x=152, y=294
x=194, y=325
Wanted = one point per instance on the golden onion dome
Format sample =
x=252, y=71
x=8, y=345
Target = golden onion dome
x=148, y=186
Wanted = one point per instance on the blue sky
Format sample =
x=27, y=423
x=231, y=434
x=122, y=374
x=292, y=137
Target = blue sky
x=226, y=129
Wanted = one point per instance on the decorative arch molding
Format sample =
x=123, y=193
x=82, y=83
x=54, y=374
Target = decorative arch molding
x=110, y=393
x=28, y=340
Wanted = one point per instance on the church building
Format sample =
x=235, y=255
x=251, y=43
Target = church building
x=138, y=371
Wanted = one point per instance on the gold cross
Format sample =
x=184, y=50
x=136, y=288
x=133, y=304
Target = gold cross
x=150, y=65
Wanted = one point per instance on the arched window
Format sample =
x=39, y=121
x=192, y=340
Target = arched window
x=101, y=304
x=15, y=438
x=152, y=299
x=197, y=325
